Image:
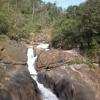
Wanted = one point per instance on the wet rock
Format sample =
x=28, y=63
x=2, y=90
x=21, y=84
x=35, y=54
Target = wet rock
x=15, y=80
x=18, y=85
x=67, y=82
x=66, y=88
x=56, y=65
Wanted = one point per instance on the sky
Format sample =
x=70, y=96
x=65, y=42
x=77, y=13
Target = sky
x=65, y=3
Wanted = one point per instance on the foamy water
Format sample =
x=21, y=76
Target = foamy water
x=43, y=46
x=31, y=61
x=45, y=92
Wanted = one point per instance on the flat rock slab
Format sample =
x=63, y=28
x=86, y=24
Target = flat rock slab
x=12, y=52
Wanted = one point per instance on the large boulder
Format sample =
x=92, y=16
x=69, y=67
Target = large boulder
x=68, y=82
x=10, y=51
x=15, y=80
x=16, y=84
x=80, y=80
x=67, y=89
x=55, y=58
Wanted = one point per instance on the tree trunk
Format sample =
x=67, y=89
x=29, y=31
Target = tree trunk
x=8, y=5
x=33, y=12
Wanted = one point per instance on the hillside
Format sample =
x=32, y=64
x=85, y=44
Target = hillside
x=74, y=27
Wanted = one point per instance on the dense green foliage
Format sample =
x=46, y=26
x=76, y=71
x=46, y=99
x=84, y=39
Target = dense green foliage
x=21, y=17
x=79, y=28
x=75, y=27
x=3, y=24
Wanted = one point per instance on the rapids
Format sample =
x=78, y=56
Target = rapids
x=45, y=92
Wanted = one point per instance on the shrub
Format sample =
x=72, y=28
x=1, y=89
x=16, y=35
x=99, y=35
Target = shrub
x=3, y=24
x=3, y=37
x=77, y=61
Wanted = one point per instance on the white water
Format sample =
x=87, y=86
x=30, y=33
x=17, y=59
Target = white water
x=43, y=46
x=46, y=93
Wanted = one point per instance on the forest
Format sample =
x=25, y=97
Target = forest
x=74, y=27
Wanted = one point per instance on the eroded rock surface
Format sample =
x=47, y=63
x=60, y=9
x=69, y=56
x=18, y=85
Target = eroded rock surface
x=12, y=52
x=18, y=86
x=67, y=81
x=15, y=80
x=55, y=58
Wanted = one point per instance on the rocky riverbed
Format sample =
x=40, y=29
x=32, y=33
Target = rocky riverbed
x=56, y=71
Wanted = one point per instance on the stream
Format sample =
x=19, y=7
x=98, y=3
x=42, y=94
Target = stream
x=46, y=93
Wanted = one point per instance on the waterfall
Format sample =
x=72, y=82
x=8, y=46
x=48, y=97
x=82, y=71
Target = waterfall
x=45, y=92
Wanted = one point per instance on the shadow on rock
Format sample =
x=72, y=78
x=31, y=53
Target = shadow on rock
x=67, y=89
x=20, y=87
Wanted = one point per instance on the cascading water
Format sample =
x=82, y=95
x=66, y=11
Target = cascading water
x=43, y=46
x=46, y=93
